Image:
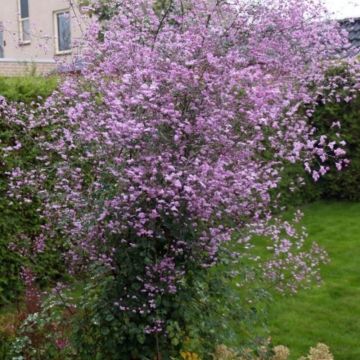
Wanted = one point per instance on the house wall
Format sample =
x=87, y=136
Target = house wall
x=13, y=67
x=41, y=51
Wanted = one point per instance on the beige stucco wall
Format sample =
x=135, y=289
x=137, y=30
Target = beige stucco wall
x=41, y=49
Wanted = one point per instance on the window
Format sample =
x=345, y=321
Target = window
x=1, y=40
x=62, y=32
x=24, y=22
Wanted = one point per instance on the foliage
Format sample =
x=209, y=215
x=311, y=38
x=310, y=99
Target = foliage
x=4, y=346
x=297, y=187
x=10, y=285
x=344, y=185
x=43, y=333
x=197, y=318
x=157, y=159
x=67, y=327
x=28, y=88
x=341, y=113
x=18, y=219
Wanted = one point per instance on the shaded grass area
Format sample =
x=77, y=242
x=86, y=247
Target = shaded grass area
x=329, y=313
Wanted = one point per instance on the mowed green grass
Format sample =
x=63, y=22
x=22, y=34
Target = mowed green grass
x=329, y=313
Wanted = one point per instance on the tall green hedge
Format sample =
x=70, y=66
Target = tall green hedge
x=335, y=185
x=345, y=184
x=17, y=219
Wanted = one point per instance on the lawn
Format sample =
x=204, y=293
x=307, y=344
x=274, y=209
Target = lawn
x=330, y=313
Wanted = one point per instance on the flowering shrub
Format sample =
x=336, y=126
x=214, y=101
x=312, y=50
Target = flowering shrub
x=162, y=155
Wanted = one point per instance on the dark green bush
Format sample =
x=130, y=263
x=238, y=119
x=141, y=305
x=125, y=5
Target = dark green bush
x=335, y=185
x=290, y=188
x=345, y=184
x=5, y=344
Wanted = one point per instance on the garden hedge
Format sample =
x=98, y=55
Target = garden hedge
x=14, y=219
x=345, y=184
x=335, y=185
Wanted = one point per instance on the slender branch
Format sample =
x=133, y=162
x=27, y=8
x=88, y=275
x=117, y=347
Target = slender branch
x=158, y=355
x=161, y=24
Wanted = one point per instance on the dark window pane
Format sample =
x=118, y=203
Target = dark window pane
x=64, y=31
x=24, y=8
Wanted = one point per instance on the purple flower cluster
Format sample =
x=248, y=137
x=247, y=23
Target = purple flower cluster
x=173, y=119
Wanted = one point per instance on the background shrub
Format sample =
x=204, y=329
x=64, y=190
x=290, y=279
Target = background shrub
x=343, y=185
x=335, y=185
x=28, y=88
x=297, y=187
x=16, y=219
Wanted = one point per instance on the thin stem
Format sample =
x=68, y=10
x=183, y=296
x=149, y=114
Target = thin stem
x=158, y=355
x=167, y=12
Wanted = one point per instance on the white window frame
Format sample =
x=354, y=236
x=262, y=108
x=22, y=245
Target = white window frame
x=21, y=27
x=2, y=41
x=56, y=32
